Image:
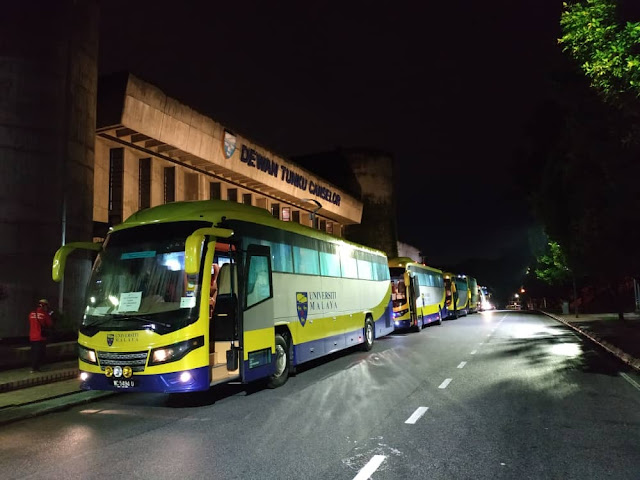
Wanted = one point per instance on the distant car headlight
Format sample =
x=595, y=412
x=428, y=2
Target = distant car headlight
x=87, y=355
x=172, y=353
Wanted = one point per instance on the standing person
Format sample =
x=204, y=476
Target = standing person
x=38, y=319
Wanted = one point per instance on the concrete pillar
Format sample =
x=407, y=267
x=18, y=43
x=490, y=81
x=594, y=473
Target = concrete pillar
x=375, y=176
x=48, y=87
x=130, y=187
x=101, y=182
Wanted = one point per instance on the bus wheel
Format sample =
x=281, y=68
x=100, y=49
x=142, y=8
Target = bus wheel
x=419, y=325
x=369, y=335
x=439, y=318
x=281, y=374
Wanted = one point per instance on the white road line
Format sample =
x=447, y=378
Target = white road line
x=370, y=467
x=462, y=364
x=474, y=352
x=488, y=334
x=630, y=380
x=417, y=414
x=445, y=383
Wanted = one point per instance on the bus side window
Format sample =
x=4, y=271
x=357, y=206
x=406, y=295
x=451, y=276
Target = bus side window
x=258, y=285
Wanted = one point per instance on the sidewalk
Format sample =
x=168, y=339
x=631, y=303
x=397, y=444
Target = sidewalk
x=24, y=395
x=619, y=337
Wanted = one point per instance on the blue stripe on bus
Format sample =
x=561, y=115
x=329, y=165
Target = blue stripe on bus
x=317, y=348
x=162, y=382
x=263, y=371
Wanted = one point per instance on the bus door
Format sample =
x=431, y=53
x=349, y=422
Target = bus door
x=225, y=326
x=414, y=293
x=258, y=355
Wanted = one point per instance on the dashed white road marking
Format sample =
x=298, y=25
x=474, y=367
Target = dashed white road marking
x=473, y=352
x=462, y=364
x=420, y=411
x=445, y=383
x=371, y=466
x=630, y=380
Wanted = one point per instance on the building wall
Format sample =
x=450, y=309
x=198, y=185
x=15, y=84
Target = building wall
x=375, y=175
x=48, y=90
x=183, y=176
x=406, y=250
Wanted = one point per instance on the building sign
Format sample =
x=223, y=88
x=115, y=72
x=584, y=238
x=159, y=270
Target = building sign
x=229, y=144
x=255, y=159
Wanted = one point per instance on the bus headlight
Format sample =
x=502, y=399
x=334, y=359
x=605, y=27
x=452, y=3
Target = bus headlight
x=400, y=313
x=87, y=355
x=172, y=353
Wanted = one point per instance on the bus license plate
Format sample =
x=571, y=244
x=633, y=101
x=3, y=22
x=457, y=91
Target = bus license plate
x=124, y=383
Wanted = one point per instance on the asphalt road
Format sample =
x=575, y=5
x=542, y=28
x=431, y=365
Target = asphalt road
x=503, y=395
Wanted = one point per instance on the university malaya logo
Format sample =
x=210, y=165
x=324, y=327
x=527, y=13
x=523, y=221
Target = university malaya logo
x=229, y=144
x=110, y=339
x=302, y=306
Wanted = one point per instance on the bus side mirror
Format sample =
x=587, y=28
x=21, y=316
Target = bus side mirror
x=192, y=252
x=60, y=258
x=193, y=247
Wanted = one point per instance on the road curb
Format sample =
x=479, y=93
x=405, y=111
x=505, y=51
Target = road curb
x=625, y=357
x=50, y=405
x=55, y=376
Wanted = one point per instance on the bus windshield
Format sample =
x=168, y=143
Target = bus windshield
x=138, y=281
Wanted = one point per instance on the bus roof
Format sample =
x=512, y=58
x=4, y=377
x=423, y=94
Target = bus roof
x=406, y=262
x=215, y=211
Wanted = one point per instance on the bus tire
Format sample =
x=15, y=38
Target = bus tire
x=439, y=316
x=419, y=325
x=281, y=374
x=369, y=335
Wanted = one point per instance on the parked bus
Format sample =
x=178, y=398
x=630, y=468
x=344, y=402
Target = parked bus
x=190, y=294
x=417, y=293
x=485, y=302
x=474, y=299
x=457, y=295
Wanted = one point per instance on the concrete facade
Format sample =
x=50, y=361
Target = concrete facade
x=369, y=176
x=140, y=119
x=48, y=88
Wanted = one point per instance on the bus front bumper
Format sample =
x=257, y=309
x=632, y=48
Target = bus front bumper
x=184, y=381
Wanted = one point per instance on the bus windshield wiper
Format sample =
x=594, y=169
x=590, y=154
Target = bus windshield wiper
x=140, y=319
x=97, y=323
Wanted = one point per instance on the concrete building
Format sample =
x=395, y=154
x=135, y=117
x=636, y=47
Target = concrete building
x=151, y=149
x=367, y=174
x=48, y=89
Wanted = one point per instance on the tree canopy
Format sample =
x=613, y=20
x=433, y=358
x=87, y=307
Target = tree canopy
x=607, y=51
x=581, y=168
x=552, y=266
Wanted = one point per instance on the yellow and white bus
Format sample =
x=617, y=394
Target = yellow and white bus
x=190, y=294
x=474, y=297
x=417, y=293
x=457, y=294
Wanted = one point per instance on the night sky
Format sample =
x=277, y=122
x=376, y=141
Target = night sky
x=446, y=87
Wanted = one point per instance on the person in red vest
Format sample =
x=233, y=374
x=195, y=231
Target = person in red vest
x=38, y=319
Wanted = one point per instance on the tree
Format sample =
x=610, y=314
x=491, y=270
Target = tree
x=606, y=50
x=581, y=168
x=552, y=266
